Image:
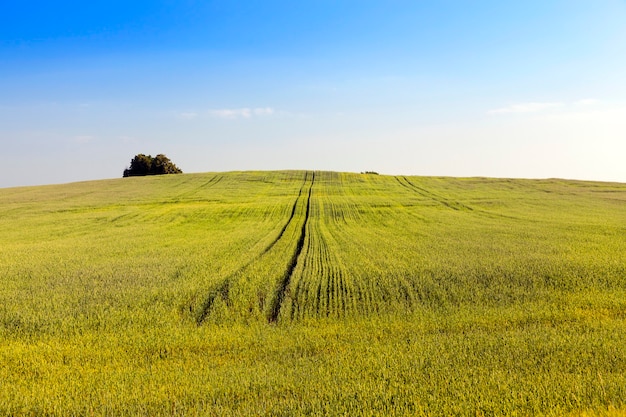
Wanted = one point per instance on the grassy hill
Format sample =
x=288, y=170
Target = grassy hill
x=319, y=293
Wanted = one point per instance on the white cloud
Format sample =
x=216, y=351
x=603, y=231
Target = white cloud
x=244, y=112
x=532, y=107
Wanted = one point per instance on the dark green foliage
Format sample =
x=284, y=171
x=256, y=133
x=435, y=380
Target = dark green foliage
x=147, y=165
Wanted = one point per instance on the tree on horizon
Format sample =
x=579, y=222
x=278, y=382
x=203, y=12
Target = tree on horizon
x=143, y=164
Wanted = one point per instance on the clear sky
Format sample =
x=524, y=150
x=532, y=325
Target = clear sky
x=496, y=88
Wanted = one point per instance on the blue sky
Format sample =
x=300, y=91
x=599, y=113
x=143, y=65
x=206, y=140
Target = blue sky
x=529, y=89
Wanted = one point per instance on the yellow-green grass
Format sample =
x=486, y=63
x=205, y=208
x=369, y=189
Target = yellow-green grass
x=313, y=293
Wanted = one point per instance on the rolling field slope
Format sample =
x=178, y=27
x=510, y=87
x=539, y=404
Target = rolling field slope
x=313, y=293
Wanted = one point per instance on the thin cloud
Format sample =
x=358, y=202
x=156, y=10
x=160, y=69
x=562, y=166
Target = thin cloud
x=587, y=102
x=231, y=113
x=241, y=113
x=532, y=107
x=128, y=139
x=605, y=115
x=537, y=107
x=83, y=139
x=265, y=111
x=188, y=115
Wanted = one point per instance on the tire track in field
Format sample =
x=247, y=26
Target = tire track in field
x=332, y=293
x=302, y=288
x=283, y=284
x=211, y=182
x=190, y=193
x=319, y=287
x=223, y=288
x=454, y=205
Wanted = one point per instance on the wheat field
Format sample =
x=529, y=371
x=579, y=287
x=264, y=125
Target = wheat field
x=313, y=293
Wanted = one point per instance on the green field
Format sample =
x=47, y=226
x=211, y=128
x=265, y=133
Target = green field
x=313, y=293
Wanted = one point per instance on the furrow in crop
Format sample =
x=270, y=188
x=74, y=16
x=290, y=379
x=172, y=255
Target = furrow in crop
x=293, y=213
x=341, y=294
x=295, y=307
x=336, y=296
x=283, y=283
x=342, y=291
x=222, y=289
x=207, y=184
x=214, y=180
x=319, y=274
x=453, y=205
x=301, y=290
x=318, y=297
x=332, y=307
x=405, y=293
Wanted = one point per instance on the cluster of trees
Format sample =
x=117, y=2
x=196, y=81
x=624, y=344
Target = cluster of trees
x=147, y=165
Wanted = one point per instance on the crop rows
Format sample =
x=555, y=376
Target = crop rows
x=265, y=263
x=361, y=245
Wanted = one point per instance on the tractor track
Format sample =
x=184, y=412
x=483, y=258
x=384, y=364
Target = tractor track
x=301, y=289
x=207, y=184
x=212, y=181
x=223, y=288
x=283, y=283
x=454, y=205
